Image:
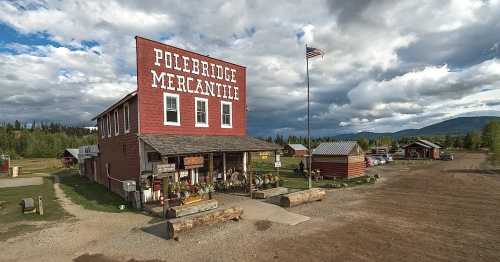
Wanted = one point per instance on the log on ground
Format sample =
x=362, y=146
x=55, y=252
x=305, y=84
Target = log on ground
x=190, y=209
x=301, y=197
x=177, y=225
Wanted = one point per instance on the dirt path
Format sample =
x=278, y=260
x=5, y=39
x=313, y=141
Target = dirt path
x=442, y=211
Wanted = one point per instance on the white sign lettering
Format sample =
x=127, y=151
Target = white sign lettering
x=185, y=64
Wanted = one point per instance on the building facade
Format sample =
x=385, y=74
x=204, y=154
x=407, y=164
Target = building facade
x=339, y=159
x=422, y=149
x=188, y=115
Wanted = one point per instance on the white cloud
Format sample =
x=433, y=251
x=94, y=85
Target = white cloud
x=367, y=80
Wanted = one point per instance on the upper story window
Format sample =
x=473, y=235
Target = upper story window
x=226, y=109
x=116, y=123
x=201, y=110
x=103, y=134
x=171, y=110
x=108, y=124
x=126, y=117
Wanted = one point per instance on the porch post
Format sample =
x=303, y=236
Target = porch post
x=245, y=162
x=211, y=168
x=224, y=165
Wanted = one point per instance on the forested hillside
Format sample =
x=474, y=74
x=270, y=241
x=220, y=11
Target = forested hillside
x=42, y=140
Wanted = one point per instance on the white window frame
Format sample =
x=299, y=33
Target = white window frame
x=197, y=124
x=116, y=123
x=170, y=123
x=103, y=134
x=222, y=125
x=126, y=118
x=108, y=124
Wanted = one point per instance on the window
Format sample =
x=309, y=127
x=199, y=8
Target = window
x=226, y=114
x=116, y=123
x=102, y=128
x=108, y=124
x=201, y=109
x=171, y=110
x=126, y=117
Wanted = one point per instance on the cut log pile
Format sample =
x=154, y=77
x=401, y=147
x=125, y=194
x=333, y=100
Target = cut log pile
x=266, y=193
x=176, y=225
x=301, y=197
x=189, y=209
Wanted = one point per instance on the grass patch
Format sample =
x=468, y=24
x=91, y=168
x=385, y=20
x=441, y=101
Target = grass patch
x=10, y=198
x=88, y=194
x=32, y=167
x=288, y=177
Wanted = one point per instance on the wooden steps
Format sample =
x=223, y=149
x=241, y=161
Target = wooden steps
x=266, y=193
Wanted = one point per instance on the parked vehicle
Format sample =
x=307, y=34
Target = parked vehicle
x=376, y=162
x=369, y=161
x=381, y=160
x=447, y=156
x=388, y=158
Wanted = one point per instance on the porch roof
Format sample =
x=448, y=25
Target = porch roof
x=169, y=145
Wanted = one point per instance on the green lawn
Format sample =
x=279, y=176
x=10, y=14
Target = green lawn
x=10, y=210
x=88, y=194
x=14, y=222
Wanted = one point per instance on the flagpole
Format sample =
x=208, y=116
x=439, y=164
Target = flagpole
x=308, y=125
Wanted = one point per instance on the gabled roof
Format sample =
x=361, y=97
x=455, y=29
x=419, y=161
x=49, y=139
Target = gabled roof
x=423, y=143
x=73, y=152
x=341, y=148
x=169, y=145
x=429, y=143
x=115, y=105
x=297, y=147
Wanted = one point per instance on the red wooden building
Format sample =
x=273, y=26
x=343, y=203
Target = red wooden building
x=297, y=150
x=339, y=159
x=188, y=114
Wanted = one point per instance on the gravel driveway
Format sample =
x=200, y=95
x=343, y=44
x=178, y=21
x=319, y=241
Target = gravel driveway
x=442, y=211
x=17, y=182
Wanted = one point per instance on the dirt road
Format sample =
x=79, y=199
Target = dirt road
x=440, y=211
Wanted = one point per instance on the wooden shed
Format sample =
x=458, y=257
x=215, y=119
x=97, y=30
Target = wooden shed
x=69, y=157
x=298, y=150
x=339, y=159
x=422, y=149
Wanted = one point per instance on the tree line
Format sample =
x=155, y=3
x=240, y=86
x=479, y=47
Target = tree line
x=37, y=140
x=488, y=137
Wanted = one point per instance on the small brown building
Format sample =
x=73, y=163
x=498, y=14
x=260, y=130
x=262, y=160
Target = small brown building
x=422, y=149
x=339, y=159
x=69, y=157
x=298, y=150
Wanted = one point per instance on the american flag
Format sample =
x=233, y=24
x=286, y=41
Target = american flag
x=312, y=52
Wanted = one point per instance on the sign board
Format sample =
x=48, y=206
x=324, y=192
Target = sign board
x=278, y=158
x=164, y=168
x=277, y=164
x=193, y=162
x=183, y=173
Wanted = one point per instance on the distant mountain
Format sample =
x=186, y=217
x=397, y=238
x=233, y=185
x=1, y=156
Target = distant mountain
x=455, y=126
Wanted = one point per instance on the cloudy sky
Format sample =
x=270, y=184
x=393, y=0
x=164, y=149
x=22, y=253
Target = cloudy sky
x=389, y=64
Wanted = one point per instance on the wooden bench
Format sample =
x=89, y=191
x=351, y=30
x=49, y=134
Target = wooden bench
x=301, y=197
x=177, y=225
x=190, y=209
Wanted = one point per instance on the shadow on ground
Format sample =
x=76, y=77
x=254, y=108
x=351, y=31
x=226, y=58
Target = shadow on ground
x=158, y=230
